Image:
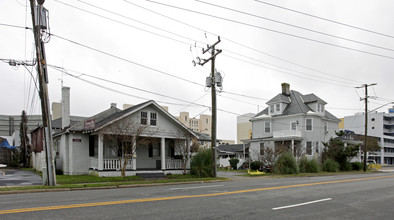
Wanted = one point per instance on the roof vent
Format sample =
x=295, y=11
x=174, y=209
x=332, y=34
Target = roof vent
x=286, y=89
x=113, y=105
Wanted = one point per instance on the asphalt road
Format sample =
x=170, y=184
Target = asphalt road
x=366, y=196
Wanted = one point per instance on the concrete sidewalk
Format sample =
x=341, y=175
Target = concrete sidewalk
x=16, y=177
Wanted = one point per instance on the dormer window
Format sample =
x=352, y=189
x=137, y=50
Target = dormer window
x=277, y=107
x=272, y=109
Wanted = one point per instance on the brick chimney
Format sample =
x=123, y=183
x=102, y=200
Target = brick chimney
x=65, y=107
x=286, y=89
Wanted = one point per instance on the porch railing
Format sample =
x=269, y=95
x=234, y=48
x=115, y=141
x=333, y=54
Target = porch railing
x=173, y=164
x=114, y=164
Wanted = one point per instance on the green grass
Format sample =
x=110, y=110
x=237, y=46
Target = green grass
x=74, y=179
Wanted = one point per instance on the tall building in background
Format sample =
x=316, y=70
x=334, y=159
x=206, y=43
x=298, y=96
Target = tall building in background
x=380, y=125
x=202, y=124
x=244, y=127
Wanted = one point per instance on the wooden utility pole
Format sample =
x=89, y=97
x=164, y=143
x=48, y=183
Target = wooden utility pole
x=214, y=53
x=366, y=122
x=43, y=80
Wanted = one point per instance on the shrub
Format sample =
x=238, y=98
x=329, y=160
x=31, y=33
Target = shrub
x=234, y=163
x=308, y=166
x=330, y=166
x=357, y=165
x=286, y=164
x=201, y=165
x=347, y=166
x=255, y=165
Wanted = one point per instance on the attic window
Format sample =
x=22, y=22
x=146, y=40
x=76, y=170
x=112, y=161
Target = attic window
x=144, y=118
x=153, y=118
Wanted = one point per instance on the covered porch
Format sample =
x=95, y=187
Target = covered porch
x=156, y=155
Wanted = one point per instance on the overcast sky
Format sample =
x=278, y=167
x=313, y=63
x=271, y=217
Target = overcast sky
x=149, y=46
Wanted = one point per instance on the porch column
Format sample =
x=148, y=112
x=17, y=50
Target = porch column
x=134, y=157
x=292, y=147
x=163, y=153
x=100, y=158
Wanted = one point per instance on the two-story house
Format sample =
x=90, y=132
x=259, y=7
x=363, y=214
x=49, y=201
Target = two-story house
x=292, y=121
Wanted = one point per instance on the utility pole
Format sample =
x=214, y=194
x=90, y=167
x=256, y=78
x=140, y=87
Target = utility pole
x=38, y=24
x=211, y=82
x=366, y=121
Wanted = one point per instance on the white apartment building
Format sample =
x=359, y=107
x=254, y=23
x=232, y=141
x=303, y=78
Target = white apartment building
x=380, y=125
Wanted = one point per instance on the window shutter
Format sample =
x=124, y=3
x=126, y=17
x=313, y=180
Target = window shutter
x=150, y=150
x=91, y=146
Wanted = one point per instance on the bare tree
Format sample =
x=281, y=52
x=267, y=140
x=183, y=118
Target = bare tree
x=185, y=145
x=124, y=134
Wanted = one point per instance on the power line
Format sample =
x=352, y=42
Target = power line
x=271, y=30
x=259, y=65
x=295, y=26
x=124, y=17
x=352, y=82
x=237, y=43
x=126, y=60
x=116, y=83
x=144, y=66
x=15, y=26
x=325, y=19
x=141, y=29
x=124, y=93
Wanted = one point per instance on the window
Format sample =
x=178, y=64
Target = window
x=322, y=108
x=278, y=107
x=185, y=118
x=308, y=123
x=317, y=147
x=318, y=107
x=309, y=148
x=267, y=127
x=272, y=109
x=326, y=128
x=144, y=118
x=153, y=118
x=206, y=120
x=293, y=125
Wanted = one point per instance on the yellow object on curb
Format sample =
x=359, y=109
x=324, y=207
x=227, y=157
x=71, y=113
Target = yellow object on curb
x=255, y=172
x=375, y=166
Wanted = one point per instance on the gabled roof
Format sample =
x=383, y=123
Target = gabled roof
x=298, y=105
x=97, y=118
x=114, y=114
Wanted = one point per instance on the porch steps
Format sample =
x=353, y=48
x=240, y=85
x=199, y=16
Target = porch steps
x=151, y=175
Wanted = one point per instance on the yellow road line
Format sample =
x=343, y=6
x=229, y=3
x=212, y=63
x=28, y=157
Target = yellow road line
x=178, y=197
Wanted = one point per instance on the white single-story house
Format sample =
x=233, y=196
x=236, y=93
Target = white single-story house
x=88, y=147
